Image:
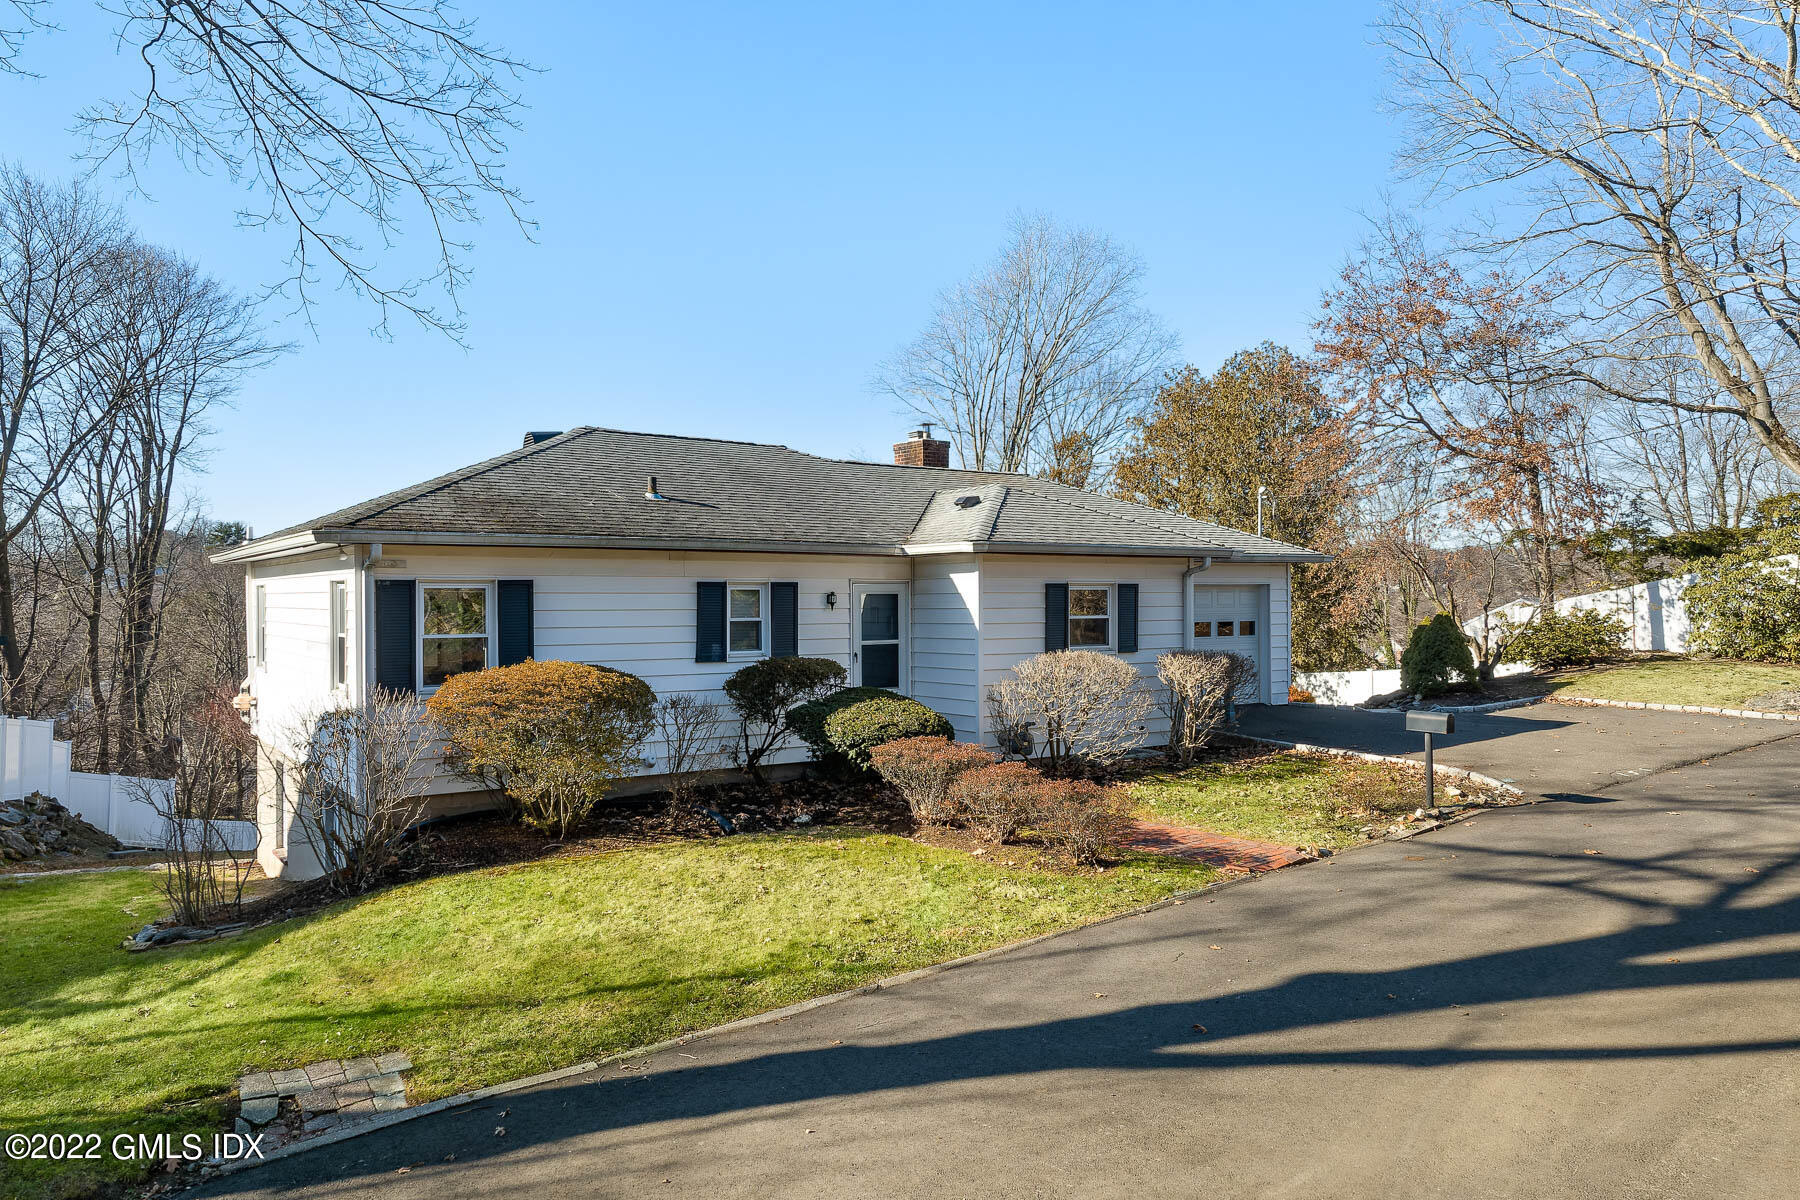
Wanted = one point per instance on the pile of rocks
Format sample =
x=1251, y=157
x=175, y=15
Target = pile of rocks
x=40, y=827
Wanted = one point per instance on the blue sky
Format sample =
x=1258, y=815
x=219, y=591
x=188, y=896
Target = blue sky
x=743, y=209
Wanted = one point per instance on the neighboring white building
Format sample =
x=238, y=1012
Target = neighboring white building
x=680, y=559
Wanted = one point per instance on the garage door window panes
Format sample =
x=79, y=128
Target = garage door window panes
x=1090, y=617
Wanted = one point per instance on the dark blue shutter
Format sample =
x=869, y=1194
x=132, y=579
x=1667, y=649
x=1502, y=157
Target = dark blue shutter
x=1056, y=616
x=784, y=620
x=709, y=622
x=517, y=631
x=396, y=640
x=1127, y=593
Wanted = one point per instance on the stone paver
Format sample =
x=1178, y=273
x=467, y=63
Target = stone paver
x=1215, y=849
x=289, y=1083
x=328, y=1092
x=252, y=1087
x=361, y=1068
x=260, y=1110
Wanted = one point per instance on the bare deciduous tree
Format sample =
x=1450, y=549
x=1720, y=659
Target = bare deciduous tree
x=1650, y=147
x=54, y=243
x=1692, y=470
x=1455, y=370
x=1040, y=361
x=351, y=118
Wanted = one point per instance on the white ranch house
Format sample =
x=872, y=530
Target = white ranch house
x=679, y=559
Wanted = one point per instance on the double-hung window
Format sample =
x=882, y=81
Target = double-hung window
x=454, y=630
x=1090, y=616
x=340, y=633
x=747, y=620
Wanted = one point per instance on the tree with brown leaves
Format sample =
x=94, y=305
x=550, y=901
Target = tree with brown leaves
x=1209, y=442
x=1462, y=371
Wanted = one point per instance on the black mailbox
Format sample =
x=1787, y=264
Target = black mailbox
x=1420, y=721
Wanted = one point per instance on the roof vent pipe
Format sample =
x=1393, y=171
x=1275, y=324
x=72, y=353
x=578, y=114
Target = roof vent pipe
x=650, y=492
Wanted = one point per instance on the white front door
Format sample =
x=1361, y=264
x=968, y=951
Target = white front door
x=878, y=642
x=1230, y=619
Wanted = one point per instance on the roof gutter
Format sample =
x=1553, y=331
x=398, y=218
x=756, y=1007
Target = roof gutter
x=307, y=541
x=303, y=542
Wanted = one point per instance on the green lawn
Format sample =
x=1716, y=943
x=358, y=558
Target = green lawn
x=489, y=975
x=1678, y=681
x=1294, y=799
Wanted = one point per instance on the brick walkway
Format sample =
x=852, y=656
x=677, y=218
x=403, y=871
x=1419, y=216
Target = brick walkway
x=1215, y=849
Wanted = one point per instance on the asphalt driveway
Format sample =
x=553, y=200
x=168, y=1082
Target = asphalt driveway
x=1543, y=748
x=1591, y=997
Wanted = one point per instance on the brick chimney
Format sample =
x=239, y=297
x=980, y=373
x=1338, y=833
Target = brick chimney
x=920, y=449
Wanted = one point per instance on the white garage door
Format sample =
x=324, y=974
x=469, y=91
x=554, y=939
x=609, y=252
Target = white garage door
x=1230, y=619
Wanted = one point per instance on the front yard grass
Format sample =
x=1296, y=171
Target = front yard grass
x=1721, y=684
x=484, y=976
x=1294, y=799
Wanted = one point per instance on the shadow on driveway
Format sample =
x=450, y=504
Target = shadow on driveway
x=1691, y=922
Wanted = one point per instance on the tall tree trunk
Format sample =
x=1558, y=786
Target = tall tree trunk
x=96, y=671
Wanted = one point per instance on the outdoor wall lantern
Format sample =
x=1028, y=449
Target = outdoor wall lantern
x=830, y=599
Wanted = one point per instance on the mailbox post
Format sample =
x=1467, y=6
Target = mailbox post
x=1428, y=723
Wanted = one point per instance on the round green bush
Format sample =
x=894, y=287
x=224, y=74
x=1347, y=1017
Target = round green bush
x=848, y=724
x=1554, y=639
x=1437, y=655
x=1747, y=605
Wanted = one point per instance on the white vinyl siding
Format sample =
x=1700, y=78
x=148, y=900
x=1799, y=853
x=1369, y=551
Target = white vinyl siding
x=1012, y=611
x=295, y=684
x=946, y=627
x=635, y=611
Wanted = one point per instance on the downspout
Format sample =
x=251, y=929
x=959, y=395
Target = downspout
x=1187, y=622
x=1187, y=600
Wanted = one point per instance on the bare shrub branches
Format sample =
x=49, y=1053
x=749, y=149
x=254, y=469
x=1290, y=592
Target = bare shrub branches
x=357, y=784
x=692, y=731
x=1196, y=688
x=1084, y=706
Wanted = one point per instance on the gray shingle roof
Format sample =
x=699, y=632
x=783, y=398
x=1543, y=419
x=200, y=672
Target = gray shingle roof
x=587, y=487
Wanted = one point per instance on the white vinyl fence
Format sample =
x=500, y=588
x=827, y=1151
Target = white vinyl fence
x=1353, y=687
x=32, y=760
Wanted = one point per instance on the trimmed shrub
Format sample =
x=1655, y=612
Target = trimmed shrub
x=997, y=801
x=1196, y=688
x=848, y=724
x=554, y=736
x=765, y=693
x=922, y=769
x=1085, y=706
x=1555, y=640
x=1299, y=695
x=1437, y=655
x=1078, y=820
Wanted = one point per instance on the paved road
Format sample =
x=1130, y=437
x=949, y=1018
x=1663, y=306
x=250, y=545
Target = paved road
x=1489, y=1011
